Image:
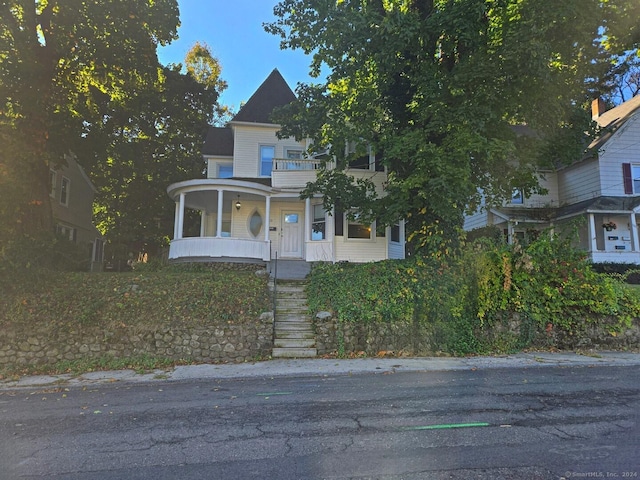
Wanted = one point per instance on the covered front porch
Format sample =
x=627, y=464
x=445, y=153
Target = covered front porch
x=245, y=221
x=233, y=216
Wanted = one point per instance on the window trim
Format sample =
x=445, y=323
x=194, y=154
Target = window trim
x=220, y=165
x=371, y=227
x=66, y=191
x=250, y=217
x=53, y=182
x=316, y=220
x=260, y=158
x=635, y=179
x=517, y=200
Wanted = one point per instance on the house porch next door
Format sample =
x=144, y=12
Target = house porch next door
x=292, y=231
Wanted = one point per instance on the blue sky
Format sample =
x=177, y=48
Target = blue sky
x=233, y=31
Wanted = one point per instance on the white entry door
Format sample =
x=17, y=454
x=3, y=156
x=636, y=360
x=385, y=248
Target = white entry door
x=291, y=234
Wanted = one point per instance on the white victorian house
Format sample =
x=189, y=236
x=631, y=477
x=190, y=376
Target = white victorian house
x=601, y=190
x=250, y=205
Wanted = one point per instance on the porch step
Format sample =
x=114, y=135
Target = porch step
x=294, y=352
x=293, y=330
x=294, y=343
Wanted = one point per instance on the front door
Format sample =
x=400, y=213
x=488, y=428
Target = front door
x=292, y=235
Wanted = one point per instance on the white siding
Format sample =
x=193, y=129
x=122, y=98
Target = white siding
x=548, y=181
x=478, y=219
x=247, y=141
x=360, y=251
x=212, y=165
x=579, y=182
x=396, y=250
x=622, y=147
x=240, y=219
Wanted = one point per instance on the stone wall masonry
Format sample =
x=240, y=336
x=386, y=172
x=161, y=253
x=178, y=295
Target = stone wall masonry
x=408, y=338
x=215, y=343
x=404, y=337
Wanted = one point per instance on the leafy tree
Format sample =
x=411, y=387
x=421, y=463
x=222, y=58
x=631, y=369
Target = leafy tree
x=64, y=65
x=435, y=87
x=145, y=149
x=206, y=69
x=152, y=139
x=623, y=82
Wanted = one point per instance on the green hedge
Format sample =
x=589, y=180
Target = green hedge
x=472, y=301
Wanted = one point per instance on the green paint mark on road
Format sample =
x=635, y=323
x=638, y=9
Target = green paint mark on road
x=273, y=393
x=447, y=425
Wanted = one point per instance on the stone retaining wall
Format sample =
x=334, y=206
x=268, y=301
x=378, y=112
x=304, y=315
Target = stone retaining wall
x=222, y=342
x=411, y=339
x=371, y=338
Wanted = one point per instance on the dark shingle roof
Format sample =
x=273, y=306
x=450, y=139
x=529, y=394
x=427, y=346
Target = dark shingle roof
x=274, y=92
x=219, y=141
x=613, y=119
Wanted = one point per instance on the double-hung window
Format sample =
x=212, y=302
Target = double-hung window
x=293, y=154
x=65, y=186
x=357, y=229
x=319, y=223
x=635, y=176
x=267, y=154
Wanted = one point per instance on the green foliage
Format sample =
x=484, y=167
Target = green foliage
x=132, y=300
x=63, y=66
x=435, y=88
x=27, y=262
x=380, y=291
x=493, y=298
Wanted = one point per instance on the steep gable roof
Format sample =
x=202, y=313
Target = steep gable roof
x=274, y=92
x=219, y=141
x=620, y=113
x=613, y=119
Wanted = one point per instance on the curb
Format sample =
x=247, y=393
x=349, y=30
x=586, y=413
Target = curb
x=326, y=367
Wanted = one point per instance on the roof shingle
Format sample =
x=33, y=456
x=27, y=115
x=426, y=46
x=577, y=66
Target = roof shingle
x=274, y=92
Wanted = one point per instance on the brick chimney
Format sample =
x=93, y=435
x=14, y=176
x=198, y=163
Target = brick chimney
x=597, y=108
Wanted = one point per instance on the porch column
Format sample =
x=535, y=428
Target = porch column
x=176, y=216
x=592, y=232
x=203, y=219
x=181, y=216
x=267, y=213
x=403, y=238
x=307, y=219
x=510, y=233
x=219, y=217
x=634, y=233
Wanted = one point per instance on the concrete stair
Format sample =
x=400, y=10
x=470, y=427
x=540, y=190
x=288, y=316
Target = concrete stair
x=293, y=329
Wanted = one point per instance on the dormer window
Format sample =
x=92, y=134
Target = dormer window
x=517, y=197
x=225, y=170
x=267, y=154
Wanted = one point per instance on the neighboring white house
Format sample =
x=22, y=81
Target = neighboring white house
x=602, y=189
x=72, y=195
x=250, y=206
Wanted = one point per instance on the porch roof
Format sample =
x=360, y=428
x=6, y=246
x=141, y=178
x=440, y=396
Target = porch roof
x=626, y=205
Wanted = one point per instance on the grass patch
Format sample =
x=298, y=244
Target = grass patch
x=112, y=300
x=140, y=364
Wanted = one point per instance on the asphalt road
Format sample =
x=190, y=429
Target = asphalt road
x=501, y=423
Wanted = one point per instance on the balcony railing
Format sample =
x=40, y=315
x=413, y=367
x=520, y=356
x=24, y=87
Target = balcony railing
x=289, y=164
